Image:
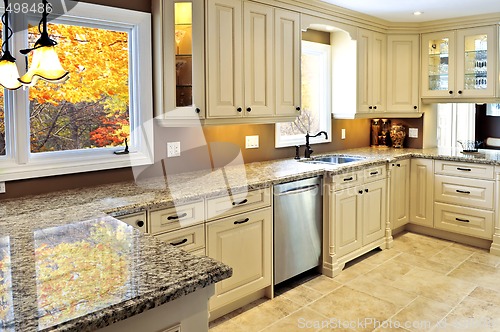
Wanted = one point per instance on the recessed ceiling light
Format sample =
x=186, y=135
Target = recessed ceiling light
x=417, y=13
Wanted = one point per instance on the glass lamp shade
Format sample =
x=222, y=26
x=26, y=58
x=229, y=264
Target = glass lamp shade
x=8, y=74
x=183, y=13
x=45, y=65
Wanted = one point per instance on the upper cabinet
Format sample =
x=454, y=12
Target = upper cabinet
x=460, y=64
x=403, y=59
x=242, y=81
x=179, y=60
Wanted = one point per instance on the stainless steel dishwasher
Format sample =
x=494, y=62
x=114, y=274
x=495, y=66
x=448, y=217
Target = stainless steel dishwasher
x=298, y=214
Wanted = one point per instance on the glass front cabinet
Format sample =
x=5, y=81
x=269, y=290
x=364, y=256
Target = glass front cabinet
x=459, y=63
x=179, y=60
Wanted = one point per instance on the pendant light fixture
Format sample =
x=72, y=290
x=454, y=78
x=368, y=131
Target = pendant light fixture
x=8, y=70
x=45, y=63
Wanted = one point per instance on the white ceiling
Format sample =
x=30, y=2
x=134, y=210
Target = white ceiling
x=402, y=10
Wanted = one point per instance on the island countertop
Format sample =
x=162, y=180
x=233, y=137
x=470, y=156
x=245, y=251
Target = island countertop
x=34, y=227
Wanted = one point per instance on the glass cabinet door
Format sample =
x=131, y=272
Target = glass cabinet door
x=475, y=56
x=183, y=16
x=438, y=63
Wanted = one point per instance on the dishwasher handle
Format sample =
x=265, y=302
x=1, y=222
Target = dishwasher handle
x=298, y=190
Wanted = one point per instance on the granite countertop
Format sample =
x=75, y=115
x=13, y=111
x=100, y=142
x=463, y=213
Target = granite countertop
x=147, y=272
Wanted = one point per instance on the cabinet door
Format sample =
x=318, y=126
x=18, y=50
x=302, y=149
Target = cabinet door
x=225, y=58
x=421, y=192
x=259, y=59
x=400, y=193
x=438, y=64
x=287, y=37
x=374, y=211
x=347, y=211
x=402, y=73
x=476, y=51
x=371, y=71
x=244, y=243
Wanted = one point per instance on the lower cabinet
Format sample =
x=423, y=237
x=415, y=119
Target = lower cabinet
x=399, y=207
x=422, y=192
x=243, y=242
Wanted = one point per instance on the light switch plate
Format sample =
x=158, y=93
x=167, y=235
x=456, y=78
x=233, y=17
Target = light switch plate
x=252, y=142
x=2, y=187
x=413, y=132
x=342, y=134
x=173, y=149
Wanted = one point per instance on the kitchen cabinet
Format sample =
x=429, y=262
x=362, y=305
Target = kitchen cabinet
x=403, y=55
x=137, y=220
x=399, y=213
x=422, y=192
x=243, y=242
x=460, y=64
x=372, y=48
x=179, y=61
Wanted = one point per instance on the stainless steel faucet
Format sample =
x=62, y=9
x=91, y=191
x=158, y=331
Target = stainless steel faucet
x=309, y=151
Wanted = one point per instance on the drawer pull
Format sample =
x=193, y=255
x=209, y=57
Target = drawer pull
x=179, y=243
x=348, y=179
x=464, y=169
x=462, y=220
x=462, y=191
x=242, y=202
x=177, y=216
x=374, y=173
x=239, y=222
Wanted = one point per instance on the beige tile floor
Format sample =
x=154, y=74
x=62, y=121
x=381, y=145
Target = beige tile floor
x=421, y=284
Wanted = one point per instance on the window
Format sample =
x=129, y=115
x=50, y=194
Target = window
x=316, y=98
x=2, y=115
x=76, y=126
x=456, y=122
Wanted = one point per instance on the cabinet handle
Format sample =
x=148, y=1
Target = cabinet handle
x=348, y=179
x=462, y=220
x=369, y=107
x=177, y=216
x=361, y=191
x=179, y=243
x=459, y=92
x=374, y=173
x=464, y=169
x=239, y=109
x=239, y=222
x=197, y=110
x=415, y=107
x=374, y=107
x=297, y=109
x=249, y=109
x=242, y=202
x=366, y=190
x=139, y=223
x=462, y=191
x=450, y=92
x=399, y=165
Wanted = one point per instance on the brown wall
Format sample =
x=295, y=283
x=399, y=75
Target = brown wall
x=141, y=5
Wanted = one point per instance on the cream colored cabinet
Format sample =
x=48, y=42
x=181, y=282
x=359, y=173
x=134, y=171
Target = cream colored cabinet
x=287, y=60
x=372, y=48
x=179, y=61
x=137, y=220
x=399, y=213
x=460, y=63
x=422, y=192
x=403, y=56
x=244, y=243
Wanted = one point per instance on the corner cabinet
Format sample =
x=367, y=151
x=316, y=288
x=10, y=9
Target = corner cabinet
x=460, y=64
x=399, y=213
x=422, y=192
x=241, y=73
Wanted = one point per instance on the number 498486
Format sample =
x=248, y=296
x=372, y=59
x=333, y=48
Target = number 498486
x=26, y=8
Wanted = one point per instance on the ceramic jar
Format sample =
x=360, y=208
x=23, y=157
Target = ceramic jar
x=398, y=134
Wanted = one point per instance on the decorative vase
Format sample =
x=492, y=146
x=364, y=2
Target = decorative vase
x=398, y=134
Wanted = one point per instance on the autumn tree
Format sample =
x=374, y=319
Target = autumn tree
x=91, y=109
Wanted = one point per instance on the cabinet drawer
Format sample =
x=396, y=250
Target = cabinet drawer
x=190, y=238
x=374, y=173
x=238, y=203
x=463, y=220
x=342, y=181
x=480, y=171
x=463, y=191
x=137, y=220
x=176, y=217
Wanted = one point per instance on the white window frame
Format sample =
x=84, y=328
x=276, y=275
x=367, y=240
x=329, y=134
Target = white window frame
x=457, y=122
x=20, y=163
x=323, y=52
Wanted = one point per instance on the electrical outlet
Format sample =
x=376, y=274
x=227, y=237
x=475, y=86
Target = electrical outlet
x=413, y=132
x=342, y=134
x=252, y=142
x=173, y=149
x=2, y=187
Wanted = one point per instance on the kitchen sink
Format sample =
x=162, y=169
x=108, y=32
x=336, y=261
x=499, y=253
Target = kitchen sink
x=334, y=160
